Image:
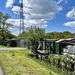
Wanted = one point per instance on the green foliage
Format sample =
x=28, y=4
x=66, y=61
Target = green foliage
x=59, y=35
x=4, y=32
x=54, y=68
x=66, y=58
x=1, y=41
x=57, y=58
x=33, y=34
x=18, y=62
x=9, y=35
x=4, y=36
x=3, y=24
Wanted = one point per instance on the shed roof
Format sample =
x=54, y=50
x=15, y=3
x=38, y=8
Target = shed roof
x=59, y=40
x=69, y=41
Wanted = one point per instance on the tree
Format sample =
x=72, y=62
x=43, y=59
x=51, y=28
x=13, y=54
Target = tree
x=59, y=35
x=67, y=34
x=4, y=32
x=1, y=40
x=3, y=24
x=33, y=34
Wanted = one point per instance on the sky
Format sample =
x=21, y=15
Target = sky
x=53, y=15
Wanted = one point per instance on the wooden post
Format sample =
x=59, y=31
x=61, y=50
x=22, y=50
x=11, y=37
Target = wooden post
x=58, y=63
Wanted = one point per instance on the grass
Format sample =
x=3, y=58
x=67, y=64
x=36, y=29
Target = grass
x=18, y=62
x=1, y=46
x=54, y=68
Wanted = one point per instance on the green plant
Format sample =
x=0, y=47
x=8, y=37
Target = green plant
x=22, y=63
x=1, y=40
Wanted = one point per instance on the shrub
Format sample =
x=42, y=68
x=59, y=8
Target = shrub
x=1, y=40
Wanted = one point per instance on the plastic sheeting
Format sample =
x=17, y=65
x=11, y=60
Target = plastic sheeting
x=70, y=39
x=71, y=49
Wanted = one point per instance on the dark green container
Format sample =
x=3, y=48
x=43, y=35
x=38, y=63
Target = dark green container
x=57, y=48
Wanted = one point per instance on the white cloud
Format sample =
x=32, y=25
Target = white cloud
x=71, y=14
x=60, y=1
x=16, y=9
x=71, y=24
x=14, y=31
x=9, y=3
x=27, y=23
x=41, y=11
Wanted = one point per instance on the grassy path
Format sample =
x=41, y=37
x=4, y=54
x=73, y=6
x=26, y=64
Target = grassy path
x=18, y=62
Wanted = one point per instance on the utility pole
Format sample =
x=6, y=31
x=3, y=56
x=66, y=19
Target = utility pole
x=22, y=29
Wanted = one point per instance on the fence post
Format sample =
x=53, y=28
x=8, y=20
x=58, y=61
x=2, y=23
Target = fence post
x=54, y=62
x=58, y=63
x=72, y=66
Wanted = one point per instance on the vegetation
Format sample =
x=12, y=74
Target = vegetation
x=4, y=28
x=59, y=35
x=54, y=68
x=33, y=34
x=3, y=24
x=2, y=46
x=18, y=62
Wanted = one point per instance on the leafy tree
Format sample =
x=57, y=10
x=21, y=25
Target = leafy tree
x=33, y=34
x=3, y=24
x=67, y=34
x=1, y=40
x=59, y=35
x=4, y=32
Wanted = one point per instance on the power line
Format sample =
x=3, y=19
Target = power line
x=21, y=15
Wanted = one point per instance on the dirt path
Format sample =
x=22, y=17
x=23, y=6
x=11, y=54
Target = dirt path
x=1, y=72
x=10, y=48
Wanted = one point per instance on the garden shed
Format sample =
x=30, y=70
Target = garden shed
x=65, y=46
x=23, y=43
x=46, y=46
x=70, y=46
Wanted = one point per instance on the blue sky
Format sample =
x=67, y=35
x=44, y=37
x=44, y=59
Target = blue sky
x=53, y=15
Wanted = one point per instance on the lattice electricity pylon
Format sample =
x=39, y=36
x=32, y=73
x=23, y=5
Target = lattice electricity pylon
x=21, y=14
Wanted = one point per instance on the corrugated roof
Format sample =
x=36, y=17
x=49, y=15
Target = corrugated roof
x=70, y=40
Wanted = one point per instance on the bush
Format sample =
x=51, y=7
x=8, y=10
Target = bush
x=1, y=40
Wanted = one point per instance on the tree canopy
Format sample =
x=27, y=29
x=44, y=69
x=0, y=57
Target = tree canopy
x=59, y=35
x=33, y=34
x=4, y=28
x=3, y=24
